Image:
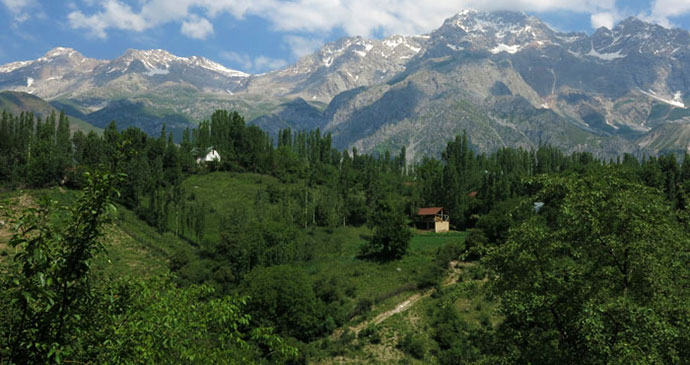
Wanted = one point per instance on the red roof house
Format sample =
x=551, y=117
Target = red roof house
x=433, y=218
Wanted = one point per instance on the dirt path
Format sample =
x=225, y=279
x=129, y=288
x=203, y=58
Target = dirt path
x=402, y=307
x=456, y=268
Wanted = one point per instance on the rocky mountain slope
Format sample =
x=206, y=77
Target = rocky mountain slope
x=506, y=78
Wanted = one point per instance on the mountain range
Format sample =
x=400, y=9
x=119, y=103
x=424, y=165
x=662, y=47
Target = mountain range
x=505, y=78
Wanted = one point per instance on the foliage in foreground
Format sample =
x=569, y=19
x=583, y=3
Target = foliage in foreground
x=50, y=310
x=47, y=290
x=156, y=322
x=601, y=276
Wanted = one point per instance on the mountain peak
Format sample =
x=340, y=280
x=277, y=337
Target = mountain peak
x=214, y=66
x=497, y=32
x=633, y=25
x=155, y=55
x=478, y=20
x=160, y=61
x=634, y=35
x=61, y=51
x=632, y=21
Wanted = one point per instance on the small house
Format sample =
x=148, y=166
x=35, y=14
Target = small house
x=433, y=219
x=211, y=155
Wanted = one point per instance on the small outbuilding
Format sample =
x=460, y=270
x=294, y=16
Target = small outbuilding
x=433, y=219
x=211, y=155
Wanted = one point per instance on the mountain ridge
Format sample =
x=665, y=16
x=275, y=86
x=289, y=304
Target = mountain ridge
x=505, y=77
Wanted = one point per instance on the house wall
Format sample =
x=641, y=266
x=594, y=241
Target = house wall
x=442, y=227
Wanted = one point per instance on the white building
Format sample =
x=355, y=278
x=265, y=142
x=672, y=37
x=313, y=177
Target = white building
x=211, y=155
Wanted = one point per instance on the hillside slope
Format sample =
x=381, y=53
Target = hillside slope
x=17, y=102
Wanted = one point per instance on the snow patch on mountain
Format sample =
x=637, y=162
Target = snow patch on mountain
x=394, y=42
x=677, y=100
x=505, y=48
x=611, y=124
x=14, y=66
x=157, y=71
x=605, y=56
x=328, y=61
x=60, y=51
x=414, y=49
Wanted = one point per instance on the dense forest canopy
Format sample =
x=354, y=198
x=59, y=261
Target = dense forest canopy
x=598, y=274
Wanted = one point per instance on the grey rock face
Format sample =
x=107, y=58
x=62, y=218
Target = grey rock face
x=340, y=66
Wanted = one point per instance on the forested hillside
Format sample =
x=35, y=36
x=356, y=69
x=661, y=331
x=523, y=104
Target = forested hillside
x=291, y=251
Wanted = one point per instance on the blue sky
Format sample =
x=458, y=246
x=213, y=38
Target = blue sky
x=259, y=35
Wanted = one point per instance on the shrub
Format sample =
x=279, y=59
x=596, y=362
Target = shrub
x=363, y=306
x=475, y=244
x=413, y=345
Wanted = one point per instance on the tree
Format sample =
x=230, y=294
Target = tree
x=48, y=290
x=600, y=277
x=391, y=236
x=154, y=321
x=64, y=144
x=283, y=297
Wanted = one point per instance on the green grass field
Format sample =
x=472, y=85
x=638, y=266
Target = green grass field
x=221, y=192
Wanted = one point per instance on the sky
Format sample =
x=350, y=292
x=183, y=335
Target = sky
x=255, y=36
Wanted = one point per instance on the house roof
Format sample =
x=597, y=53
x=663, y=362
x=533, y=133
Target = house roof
x=429, y=211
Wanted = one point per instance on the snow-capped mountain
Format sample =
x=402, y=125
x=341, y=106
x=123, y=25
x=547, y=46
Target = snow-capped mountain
x=65, y=73
x=633, y=36
x=58, y=70
x=508, y=79
x=504, y=77
x=493, y=32
x=340, y=66
x=160, y=62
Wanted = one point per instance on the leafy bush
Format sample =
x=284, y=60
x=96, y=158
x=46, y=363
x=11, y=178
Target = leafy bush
x=434, y=274
x=475, y=244
x=363, y=306
x=414, y=345
x=448, y=253
x=283, y=297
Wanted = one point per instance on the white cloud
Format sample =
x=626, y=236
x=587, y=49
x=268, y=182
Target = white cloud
x=354, y=17
x=197, y=27
x=17, y=5
x=606, y=19
x=259, y=64
x=662, y=10
x=263, y=63
x=114, y=15
x=301, y=46
x=20, y=8
x=241, y=59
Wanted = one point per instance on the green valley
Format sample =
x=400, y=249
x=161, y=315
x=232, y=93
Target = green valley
x=233, y=247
